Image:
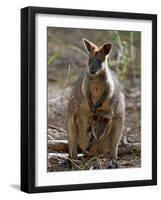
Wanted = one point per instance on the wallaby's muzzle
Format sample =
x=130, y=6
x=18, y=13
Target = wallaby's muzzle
x=95, y=64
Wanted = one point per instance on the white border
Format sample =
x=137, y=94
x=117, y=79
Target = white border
x=61, y=178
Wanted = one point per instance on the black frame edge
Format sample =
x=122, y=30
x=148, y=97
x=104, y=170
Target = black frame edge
x=92, y=186
x=27, y=100
x=92, y=13
x=24, y=100
x=154, y=99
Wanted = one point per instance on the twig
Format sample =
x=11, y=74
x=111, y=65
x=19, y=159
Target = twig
x=72, y=161
x=58, y=155
x=67, y=79
x=85, y=163
x=54, y=99
x=50, y=137
x=57, y=141
x=54, y=127
x=90, y=160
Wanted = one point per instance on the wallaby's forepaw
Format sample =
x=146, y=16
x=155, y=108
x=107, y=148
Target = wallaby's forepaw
x=98, y=104
x=113, y=164
x=93, y=109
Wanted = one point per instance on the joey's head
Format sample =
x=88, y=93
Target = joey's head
x=97, y=56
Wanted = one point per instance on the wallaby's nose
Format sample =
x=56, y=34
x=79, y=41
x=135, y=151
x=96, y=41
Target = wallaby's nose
x=92, y=70
x=94, y=65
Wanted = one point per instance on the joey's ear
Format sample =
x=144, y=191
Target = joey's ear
x=106, y=48
x=89, y=46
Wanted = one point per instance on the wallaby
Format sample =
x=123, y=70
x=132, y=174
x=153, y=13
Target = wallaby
x=96, y=101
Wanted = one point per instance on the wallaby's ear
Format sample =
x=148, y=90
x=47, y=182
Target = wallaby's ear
x=89, y=46
x=106, y=48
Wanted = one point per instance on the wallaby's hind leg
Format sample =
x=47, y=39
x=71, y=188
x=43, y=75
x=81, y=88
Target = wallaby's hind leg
x=84, y=134
x=72, y=138
x=115, y=139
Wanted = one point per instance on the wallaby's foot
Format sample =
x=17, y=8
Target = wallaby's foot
x=113, y=164
x=67, y=164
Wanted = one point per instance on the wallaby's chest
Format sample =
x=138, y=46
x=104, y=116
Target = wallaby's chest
x=97, y=89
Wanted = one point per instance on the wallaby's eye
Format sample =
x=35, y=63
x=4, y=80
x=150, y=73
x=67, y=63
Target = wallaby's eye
x=99, y=61
x=89, y=61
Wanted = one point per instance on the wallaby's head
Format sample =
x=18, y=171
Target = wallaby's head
x=97, y=56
